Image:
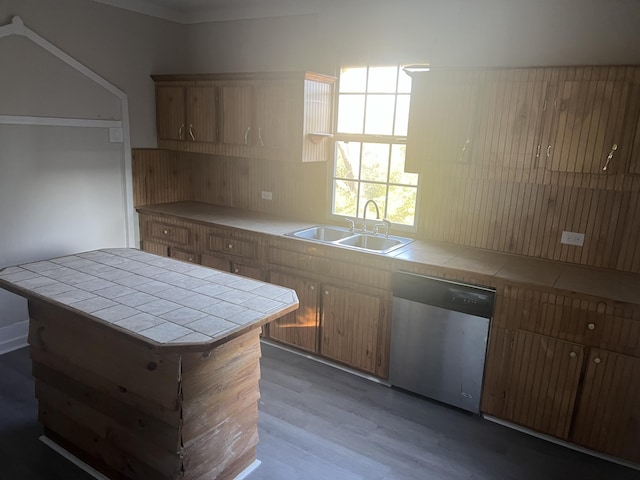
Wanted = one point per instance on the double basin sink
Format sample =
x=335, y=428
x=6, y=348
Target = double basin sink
x=346, y=238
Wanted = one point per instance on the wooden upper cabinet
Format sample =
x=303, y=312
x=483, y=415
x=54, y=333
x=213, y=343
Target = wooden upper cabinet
x=201, y=125
x=509, y=118
x=587, y=126
x=170, y=112
x=186, y=113
x=271, y=116
x=237, y=114
x=441, y=119
x=566, y=119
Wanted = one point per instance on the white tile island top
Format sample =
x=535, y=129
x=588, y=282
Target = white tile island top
x=161, y=300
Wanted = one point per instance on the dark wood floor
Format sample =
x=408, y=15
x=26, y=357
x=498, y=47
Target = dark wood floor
x=319, y=423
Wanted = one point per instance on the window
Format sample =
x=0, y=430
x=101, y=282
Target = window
x=373, y=113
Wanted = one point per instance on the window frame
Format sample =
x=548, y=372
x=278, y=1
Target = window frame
x=363, y=138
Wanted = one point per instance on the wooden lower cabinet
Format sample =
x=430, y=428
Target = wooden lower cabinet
x=300, y=328
x=349, y=325
x=607, y=417
x=584, y=395
x=543, y=384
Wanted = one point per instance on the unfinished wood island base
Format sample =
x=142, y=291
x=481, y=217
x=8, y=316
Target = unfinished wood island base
x=147, y=367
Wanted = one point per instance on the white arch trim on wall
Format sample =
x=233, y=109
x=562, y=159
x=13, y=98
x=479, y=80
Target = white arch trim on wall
x=118, y=129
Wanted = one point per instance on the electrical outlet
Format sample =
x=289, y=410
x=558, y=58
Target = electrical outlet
x=572, y=238
x=267, y=195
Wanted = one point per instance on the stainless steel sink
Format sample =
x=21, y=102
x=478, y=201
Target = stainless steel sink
x=372, y=242
x=322, y=233
x=344, y=237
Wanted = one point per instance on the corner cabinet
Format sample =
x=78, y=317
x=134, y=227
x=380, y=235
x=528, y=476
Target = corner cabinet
x=567, y=366
x=564, y=119
x=270, y=116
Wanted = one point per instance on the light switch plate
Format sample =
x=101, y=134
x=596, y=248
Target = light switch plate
x=572, y=238
x=267, y=195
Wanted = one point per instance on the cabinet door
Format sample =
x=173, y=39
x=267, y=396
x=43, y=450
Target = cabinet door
x=349, y=325
x=587, y=126
x=272, y=116
x=201, y=114
x=543, y=383
x=237, y=112
x=441, y=119
x=170, y=113
x=510, y=113
x=213, y=261
x=298, y=328
x=608, y=413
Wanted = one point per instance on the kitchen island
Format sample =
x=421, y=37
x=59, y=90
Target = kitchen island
x=147, y=367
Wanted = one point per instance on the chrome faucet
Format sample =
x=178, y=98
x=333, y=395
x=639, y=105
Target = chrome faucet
x=364, y=214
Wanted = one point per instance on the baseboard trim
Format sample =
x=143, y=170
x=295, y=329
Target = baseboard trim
x=557, y=441
x=14, y=336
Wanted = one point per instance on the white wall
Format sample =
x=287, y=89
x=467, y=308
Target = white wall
x=61, y=188
x=123, y=47
x=452, y=33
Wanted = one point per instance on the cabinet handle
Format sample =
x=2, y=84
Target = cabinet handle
x=312, y=287
x=597, y=360
x=230, y=246
x=193, y=137
x=614, y=147
x=548, y=151
x=572, y=354
x=235, y=270
x=591, y=326
x=246, y=136
x=260, y=137
x=191, y=259
x=180, y=131
x=326, y=292
x=165, y=231
x=538, y=151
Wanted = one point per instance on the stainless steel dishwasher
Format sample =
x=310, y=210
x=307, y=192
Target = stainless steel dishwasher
x=439, y=338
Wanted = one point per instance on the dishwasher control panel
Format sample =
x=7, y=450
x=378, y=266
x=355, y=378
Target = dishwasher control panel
x=465, y=298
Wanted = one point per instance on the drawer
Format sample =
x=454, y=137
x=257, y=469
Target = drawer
x=184, y=255
x=170, y=233
x=231, y=246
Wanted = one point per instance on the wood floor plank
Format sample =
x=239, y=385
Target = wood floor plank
x=318, y=422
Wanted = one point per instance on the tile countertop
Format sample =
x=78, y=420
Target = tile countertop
x=610, y=284
x=162, y=301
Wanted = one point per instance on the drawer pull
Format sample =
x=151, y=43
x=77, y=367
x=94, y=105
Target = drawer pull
x=572, y=354
x=312, y=287
x=230, y=246
x=191, y=259
x=591, y=326
x=165, y=231
x=235, y=270
x=326, y=292
x=597, y=360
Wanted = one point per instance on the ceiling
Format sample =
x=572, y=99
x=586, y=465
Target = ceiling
x=199, y=11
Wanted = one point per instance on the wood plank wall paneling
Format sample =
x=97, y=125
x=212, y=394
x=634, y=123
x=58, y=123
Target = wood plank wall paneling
x=158, y=177
x=299, y=190
x=493, y=209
